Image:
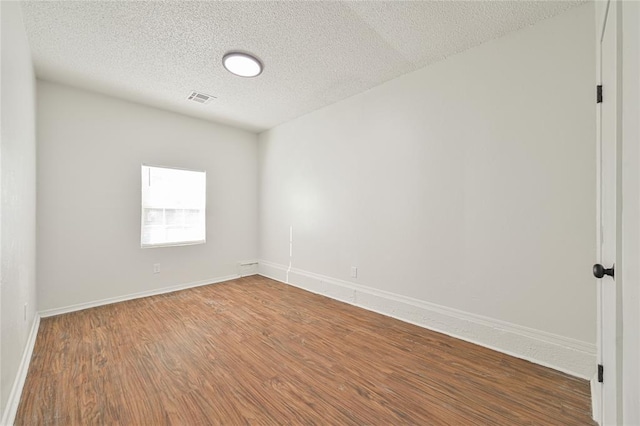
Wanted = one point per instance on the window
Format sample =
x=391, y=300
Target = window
x=173, y=207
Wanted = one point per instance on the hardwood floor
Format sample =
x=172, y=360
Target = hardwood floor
x=255, y=351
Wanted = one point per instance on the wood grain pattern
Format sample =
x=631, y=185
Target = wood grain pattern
x=255, y=351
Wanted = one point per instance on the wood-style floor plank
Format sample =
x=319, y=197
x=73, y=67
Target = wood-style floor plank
x=255, y=351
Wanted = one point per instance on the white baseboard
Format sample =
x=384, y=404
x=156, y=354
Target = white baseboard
x=550, y=350
x=247, y=268
x=93, y=304
x=16, y=390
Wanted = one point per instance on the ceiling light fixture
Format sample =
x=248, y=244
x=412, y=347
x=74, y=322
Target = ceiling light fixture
x=242, y=64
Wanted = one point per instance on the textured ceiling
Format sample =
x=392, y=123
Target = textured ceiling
x=315, y=53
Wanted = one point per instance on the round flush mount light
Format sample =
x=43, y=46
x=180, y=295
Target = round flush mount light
x=242, y=64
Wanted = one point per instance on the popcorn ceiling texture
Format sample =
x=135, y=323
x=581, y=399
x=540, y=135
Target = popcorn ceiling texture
x=315, y=53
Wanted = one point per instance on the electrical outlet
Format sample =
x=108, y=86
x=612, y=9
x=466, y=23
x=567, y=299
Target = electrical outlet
x=25, y=311
x=354, y=272
x=156, y=268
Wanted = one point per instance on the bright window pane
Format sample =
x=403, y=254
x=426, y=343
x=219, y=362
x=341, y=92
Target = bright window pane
x=173, y=206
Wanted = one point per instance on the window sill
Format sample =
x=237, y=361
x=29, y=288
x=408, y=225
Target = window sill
x=177, y=244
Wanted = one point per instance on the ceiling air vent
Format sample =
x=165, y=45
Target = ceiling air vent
x=200, y=98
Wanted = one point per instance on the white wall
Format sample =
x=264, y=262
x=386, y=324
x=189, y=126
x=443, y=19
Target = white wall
x=90, y=148
x=469, y=184
x=18, y=202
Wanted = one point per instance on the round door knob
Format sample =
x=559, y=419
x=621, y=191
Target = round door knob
x=600, y=271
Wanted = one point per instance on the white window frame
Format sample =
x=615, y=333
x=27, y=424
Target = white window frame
x=142, y=210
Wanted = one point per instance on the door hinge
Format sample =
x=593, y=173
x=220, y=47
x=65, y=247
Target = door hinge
x=600, y=373
x=599, y=94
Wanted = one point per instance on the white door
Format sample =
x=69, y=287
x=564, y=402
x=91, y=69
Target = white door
x=609, y=214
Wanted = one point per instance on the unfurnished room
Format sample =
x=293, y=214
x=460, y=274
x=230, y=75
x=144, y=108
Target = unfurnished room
x=320, y=212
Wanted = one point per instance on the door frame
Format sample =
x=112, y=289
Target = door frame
x=630, y=125
x=608, y=212
x=627, y=368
